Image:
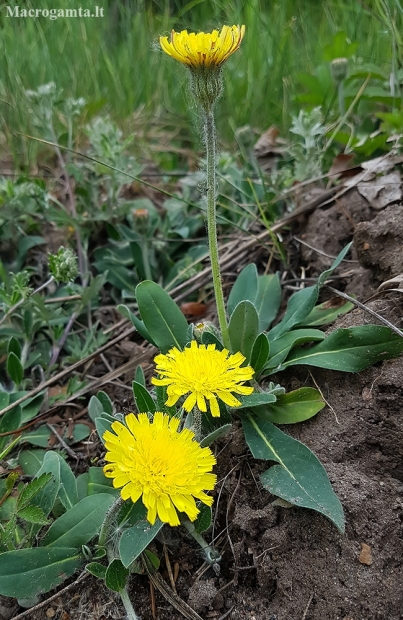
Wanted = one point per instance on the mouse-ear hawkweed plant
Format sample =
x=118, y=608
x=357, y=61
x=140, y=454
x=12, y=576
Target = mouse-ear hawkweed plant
x=204, y=54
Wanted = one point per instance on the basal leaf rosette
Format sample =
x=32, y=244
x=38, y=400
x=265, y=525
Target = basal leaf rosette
x=203, y=373
x=167, y=469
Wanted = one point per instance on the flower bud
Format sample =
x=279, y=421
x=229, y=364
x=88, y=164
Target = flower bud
x=203, y=327
x=63, y=265
x=338, y=69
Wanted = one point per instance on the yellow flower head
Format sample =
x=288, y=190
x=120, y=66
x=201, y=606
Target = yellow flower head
x=166, y=468
x=204, y=49
x=203, y=372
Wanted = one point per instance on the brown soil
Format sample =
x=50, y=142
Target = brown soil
x=288, y=563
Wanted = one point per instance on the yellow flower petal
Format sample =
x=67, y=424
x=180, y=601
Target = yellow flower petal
x=204, y=49
x=203, y=373
x=166, y=468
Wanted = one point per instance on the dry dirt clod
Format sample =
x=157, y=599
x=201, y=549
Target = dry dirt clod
x=365, y=556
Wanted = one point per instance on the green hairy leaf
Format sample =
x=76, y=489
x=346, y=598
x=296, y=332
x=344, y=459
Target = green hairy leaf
x=135, y=539
x=299, y=477
x=14, y=368
x=143, y=399
x=351, y=349
x=302, y=303
x=138, y=324
x=296, y=406
x=116, y=576
x=79, y=524
x=164, y=321
x=24, y=573
x=260, y=353
x=264, y=292
x=243, y=328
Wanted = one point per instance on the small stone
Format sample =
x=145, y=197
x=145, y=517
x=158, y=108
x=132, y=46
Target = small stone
x=365, y=556
x=50, y=613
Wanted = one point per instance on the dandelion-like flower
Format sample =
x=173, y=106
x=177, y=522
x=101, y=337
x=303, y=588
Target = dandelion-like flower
x=203, y=372
x=166, y=468
x=204, y=49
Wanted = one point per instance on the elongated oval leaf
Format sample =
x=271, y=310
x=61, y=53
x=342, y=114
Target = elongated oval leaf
x=98, y=483
x=139, y=376
x=116, y=576
x=95, y=408
x=299, y=478
x=14, y=368
x=296, y=406
x=10, y=421
x=301, y=303
x=106, y=402
x=243, y=328
x=96, y=569
x=214, y=435
x=326, y=313
x=31, y=461
x=256, y=399
x=46, y=497
x=31, y=407
x=260, y=353
x=164, y=321
x=351, y=349
x=204, y=519
x=135, y=539
x=143, y=399
x=245, y=287
x=68, y=486
x=138, y=324
x=27, y=572
x=209, y=338
x=39, y=437
x=280, y=348
x=268, y=299
x=103, y=424
x=14, y=347
x=79, y=524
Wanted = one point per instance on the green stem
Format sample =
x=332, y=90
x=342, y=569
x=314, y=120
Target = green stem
x=145, y=257
x=212, y=555
x=131, y=614
x=212, y=225
x=110, y=519
x=340, y=94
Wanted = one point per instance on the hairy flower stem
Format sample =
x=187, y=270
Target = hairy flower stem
x=109, y=521
x=341, y=98
x=131, y=614
x=212, y=224
x=145, y=256
x=104, y=538
x=212, y=555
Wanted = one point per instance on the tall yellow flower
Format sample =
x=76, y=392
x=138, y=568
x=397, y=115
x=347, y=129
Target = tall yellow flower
x=203, y=372
x=166, y=468
x=204, y=49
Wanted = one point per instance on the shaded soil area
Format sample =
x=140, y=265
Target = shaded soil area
x=287, y=563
